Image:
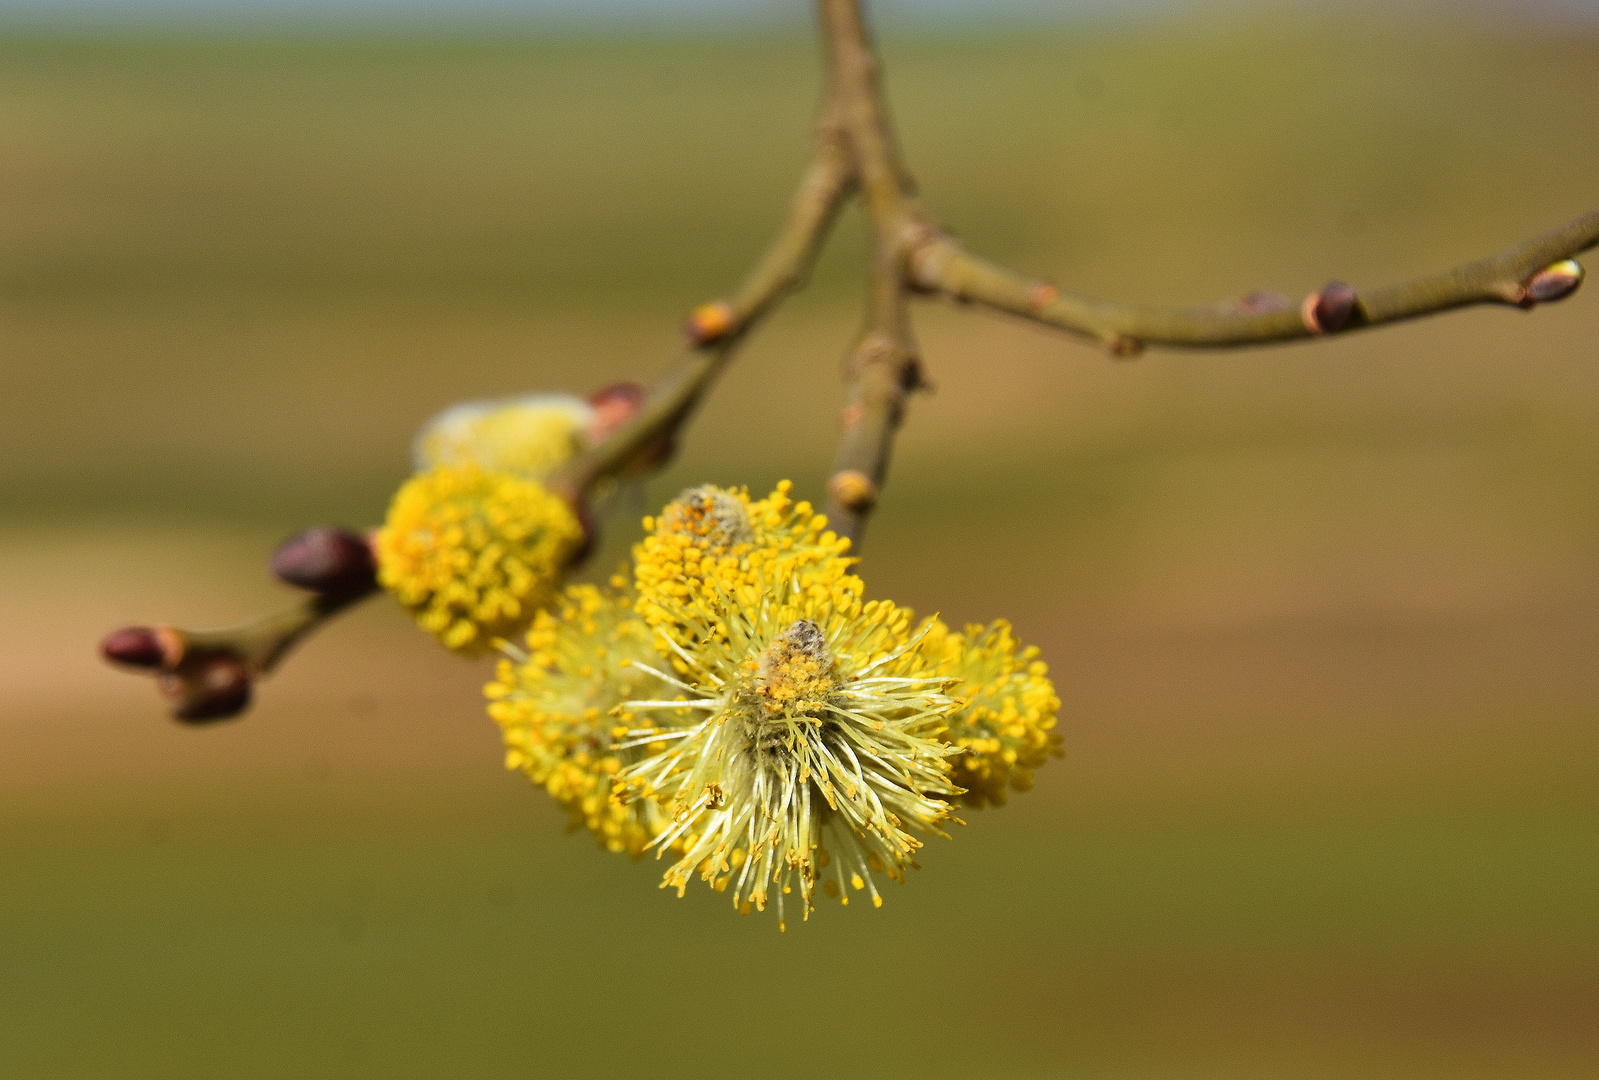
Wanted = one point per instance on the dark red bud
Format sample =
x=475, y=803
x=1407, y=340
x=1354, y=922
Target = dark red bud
x=630, y=393
x=327, y=560
x=1555, y=282
x=216, y=691
x=135, y=646
x=1329, y=311
x=614, y=405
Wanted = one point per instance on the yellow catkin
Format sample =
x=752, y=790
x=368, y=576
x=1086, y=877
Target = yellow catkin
x=556, y=708
x=473, y=554
x=1005, y=725
x=808, y=737
x=525, y=436
x=710, y=543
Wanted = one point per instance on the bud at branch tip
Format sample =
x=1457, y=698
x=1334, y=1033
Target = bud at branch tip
x=134, y=646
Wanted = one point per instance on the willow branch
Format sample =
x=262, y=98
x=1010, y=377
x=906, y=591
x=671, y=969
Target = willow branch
x=1523, y=276
x=853, y=69
x=879, y=375
x=883, y=368
x=649, y=433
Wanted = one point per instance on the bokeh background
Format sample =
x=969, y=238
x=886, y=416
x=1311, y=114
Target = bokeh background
x=1323, y=617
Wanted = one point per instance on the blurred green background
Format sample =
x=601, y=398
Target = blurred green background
x=1322, y=616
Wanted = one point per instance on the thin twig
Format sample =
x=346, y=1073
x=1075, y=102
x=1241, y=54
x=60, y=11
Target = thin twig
x=857, y=90
x=209, y=675
x=883, y=368
x=670, y=403
x=880, y=373
x=262, y=643
x=941, y=265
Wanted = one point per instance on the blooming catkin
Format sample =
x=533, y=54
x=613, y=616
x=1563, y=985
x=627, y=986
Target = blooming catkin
x=1004, y=724
x=554, y=702
x=526, y=436
x=740, y=704
x=802, y=747
x=710, y=540
x=473, y=554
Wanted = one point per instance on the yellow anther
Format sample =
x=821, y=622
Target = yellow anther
x=473, y=554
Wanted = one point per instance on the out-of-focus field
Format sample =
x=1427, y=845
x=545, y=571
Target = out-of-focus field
x=1323, y=617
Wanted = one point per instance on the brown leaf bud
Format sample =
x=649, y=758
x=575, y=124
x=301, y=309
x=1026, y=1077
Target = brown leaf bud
x=134, y=646
x=326, y=560
x=1329, y=311
x=217, y=689
x=614, y=407
x=709, y=322
x=1555, y=281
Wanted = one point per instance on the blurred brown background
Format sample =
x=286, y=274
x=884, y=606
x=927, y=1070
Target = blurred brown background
x=1322, y=616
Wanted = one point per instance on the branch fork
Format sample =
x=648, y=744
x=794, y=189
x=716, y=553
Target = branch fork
x=858, y=154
